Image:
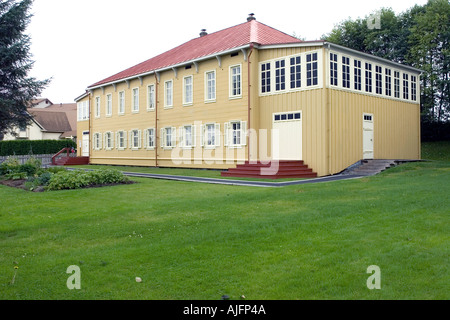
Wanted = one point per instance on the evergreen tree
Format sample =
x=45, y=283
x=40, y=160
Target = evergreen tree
x=16, y=88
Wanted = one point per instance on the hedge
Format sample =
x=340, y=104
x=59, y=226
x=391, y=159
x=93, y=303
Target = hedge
x=25, y=147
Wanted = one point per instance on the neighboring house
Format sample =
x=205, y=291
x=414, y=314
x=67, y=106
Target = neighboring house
x=251, y=92
x=49, y=122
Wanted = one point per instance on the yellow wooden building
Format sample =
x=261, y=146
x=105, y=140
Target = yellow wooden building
x=253, y=93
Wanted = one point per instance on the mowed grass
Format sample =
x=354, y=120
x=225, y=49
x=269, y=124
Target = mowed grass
x=200, y=241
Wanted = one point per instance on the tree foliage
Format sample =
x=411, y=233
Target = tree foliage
x=17, y=89
x=418, y=37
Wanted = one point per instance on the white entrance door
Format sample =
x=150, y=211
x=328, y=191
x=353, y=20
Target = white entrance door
x=287, y=136
x=368, y=136
x=85, y=145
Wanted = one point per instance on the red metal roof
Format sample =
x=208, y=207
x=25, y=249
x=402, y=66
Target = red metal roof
x=214, y=43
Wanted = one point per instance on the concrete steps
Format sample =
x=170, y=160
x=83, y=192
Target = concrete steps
x=370, y=167
x=275, y=170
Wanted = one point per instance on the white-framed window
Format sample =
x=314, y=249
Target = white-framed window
x=414, y=88
x=378, y=79
x=211, y=135
x=109, y=105
x=168, y=94
x=135, y=100
x=135, y=139
x=97, y=107
x=396, y=84
x=312, y=69
x=188, y=90
x=168, y=137
x=97, y=145
x=405, y=86
x=265, y=77
x=83, y=111
x=346, y=72
x=235, y=81
x=109, y=140
x=187, y=136
x=333, y=69
x=150, y=138
x=357, y=75
x=235, y=133
x=388, y=81
x=368, y=78
x=151, y=98
x=210, y=90
x=280, y=75
x=296, y=72
x=121, y=107
x=121, y=140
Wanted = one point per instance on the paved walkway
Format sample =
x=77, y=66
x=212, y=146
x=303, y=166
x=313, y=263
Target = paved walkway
x=241, y=182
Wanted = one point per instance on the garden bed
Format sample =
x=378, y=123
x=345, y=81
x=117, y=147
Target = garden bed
x=32, y=177
x=22, y=184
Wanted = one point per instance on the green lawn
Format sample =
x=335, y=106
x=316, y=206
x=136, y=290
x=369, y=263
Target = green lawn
x=201, y=241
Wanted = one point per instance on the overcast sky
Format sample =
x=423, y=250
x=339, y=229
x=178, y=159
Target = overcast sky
x=79, y=42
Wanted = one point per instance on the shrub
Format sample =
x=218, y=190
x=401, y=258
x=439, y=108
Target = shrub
x=12, y=166
x=80, y=179
x=24, y=147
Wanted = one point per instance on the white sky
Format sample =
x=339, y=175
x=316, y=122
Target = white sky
x=78, y=43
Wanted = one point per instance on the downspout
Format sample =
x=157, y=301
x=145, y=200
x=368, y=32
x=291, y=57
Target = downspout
x=328, y=104
x=249, y=102
x=156, y=120
x=90, y=125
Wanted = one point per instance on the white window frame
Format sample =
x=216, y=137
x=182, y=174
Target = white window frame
x=265, y=73
x=108, y=105
x=346, y=71
x=334, y=72
x=210, y=95
x=388, y=82
x=151, y=98
x=121, y=103
x=188, y=90
x=168, y=95
x=135, y=136
x=405, y=86
x=229, y=134
x=295, y=66
x=379, y=80
x=205, y=135
x=184, y=136
x=83, y=111
x=150, y=138
x=97, y=145
x=232, y=94
x=413, y=80
x=97, y=106
x=118, y=140
x=168, y=144
x=135, y=100
x=280, y=75
x=298, y=70
x=109, y=145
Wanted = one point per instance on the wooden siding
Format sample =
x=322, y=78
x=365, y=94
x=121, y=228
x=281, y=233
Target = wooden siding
x=223, y=110
x=396, y=128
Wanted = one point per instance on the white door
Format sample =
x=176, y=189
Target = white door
x=287, y=136
x=85, y=145
x=368, y=136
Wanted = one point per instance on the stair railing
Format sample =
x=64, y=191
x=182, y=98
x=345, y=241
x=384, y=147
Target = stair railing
x=68, y=152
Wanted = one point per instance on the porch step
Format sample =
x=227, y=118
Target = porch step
x=280, y=170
